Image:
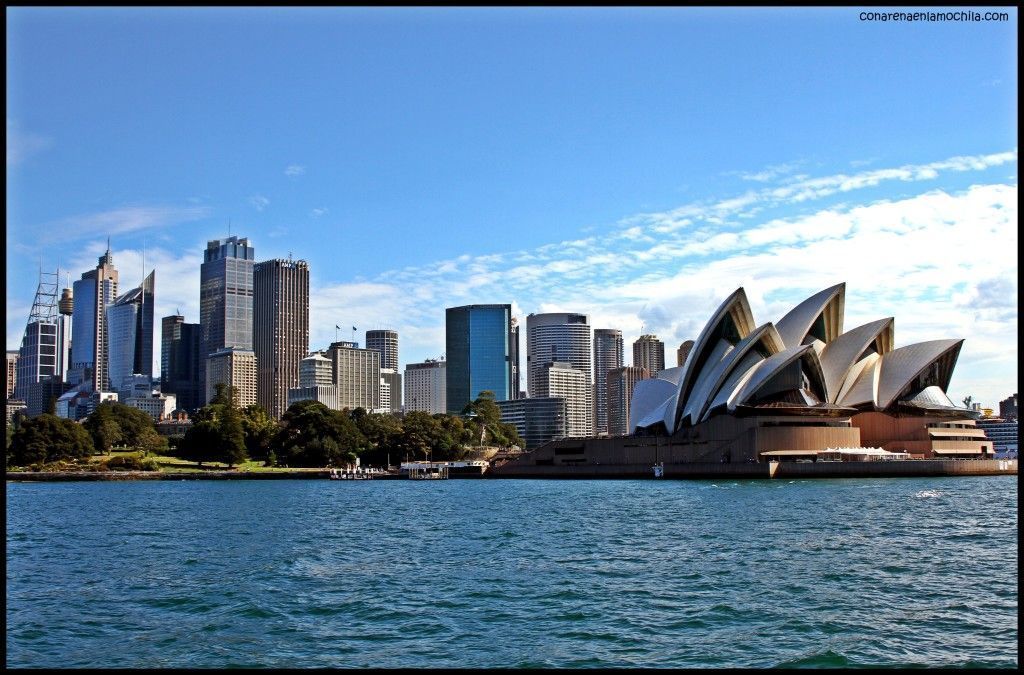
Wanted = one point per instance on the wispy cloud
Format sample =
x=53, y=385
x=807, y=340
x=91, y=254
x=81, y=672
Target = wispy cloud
x=772, y=172
x=294, y=170
x=120, y=220
x=259, y=202
x=316, y=213
x=23, y=144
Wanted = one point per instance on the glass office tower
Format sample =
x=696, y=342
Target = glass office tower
x=480, y=353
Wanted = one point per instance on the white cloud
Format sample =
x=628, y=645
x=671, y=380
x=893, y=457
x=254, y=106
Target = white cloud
x=294, y=170
x=316, y=213
x=120, y=220
x=259, y=202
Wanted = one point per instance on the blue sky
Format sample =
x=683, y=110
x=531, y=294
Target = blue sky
x=634, y=164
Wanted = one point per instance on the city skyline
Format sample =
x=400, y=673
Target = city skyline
x=602, y=190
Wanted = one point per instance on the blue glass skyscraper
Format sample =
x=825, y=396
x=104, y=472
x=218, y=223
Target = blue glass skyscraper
x=482, y=355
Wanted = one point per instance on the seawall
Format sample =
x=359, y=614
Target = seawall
x=696, y=470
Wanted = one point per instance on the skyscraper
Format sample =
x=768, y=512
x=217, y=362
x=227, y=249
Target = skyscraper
x=621, y=382
x=130, y=334
x=280, y=329
x=561, y=337
x=683, y=352
x=225, y=296
x=92, y=293
x=608, y=355
x=649, y=353
x=561, y=380
x=40, y=344
x=478, y=341
x=180, y=364
x=386, y=343
x=12, y=371
x=65, y=308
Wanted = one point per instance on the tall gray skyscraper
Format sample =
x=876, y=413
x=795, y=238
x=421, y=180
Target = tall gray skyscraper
x=608, y=355
x=225, y=296
x=385, y=342
x=649, y=353
x=560, y=337
x=480, y=352
x=92, y=294
x=280, y=329
x=130, y=334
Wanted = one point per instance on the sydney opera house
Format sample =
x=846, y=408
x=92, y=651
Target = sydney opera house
x=787, y=391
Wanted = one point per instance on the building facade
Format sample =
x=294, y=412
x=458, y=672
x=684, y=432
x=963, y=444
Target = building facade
x=236, y=368
x=357, y=375
x=562, y=380
x=620, y=385
x=1008, y=408
x=683, y=352
x=225, y=297
x=385, y=342
x=538, y=420
x=280, y=329
x=425, y=387
x=130, y=334
x=481, y=354
x=649, y=353
x=608, y=355
x=92, y=294
x=12, y=372
x=391, y=380
x=181, y=367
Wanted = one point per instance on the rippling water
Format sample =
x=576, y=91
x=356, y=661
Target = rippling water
x=513, y=573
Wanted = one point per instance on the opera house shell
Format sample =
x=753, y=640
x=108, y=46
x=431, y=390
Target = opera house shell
x=788, y=390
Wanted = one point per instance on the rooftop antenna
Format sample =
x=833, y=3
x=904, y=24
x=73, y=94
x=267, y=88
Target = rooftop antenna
x=229, y=228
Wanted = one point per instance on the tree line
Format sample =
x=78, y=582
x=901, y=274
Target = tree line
x=308, y=435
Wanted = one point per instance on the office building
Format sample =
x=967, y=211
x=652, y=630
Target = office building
x=425, y=385
x=356, y=374
x=479, y=343
x=620, y=385
x=385, y=342
x=130, y=334
x=561, y=379
x=225, y=297
x=316, y=382
x=280, y=329
x=1008, y=408
x=157, y=405
x=181, y=367
x=12, y=372
x=537, y=420
x=234, y=367
x=92, y=294
x=683, y=352
x=391, y=381
x=608, y=355
x=41, y=344
x=649, y=353
x=43, y=395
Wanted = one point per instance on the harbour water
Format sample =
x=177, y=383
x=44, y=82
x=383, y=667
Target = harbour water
x=524, y=573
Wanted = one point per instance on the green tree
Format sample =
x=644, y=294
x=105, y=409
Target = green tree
x=232, y=437
x=382, y=432
x=104, y=428
x=201, y=443
x=312, y=434
x=48, y=438
x=259, y=429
